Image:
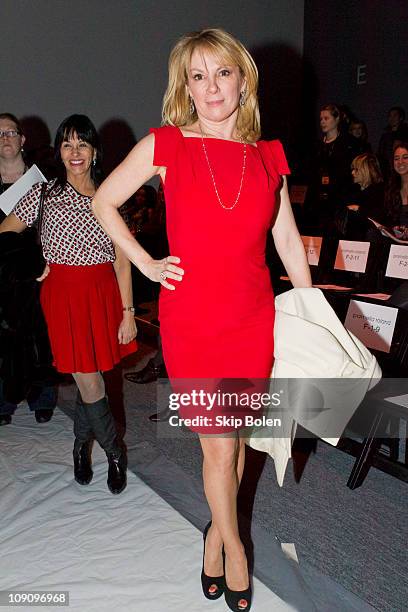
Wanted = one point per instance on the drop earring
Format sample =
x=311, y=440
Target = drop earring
x=242, y=98
x=192, y=107
x=94, y=162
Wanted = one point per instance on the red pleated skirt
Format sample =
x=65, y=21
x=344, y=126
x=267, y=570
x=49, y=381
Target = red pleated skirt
x=83, y=311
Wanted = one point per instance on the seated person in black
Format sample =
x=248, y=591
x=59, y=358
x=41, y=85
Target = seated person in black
x=395, y=132
x=369, y=200
x=396, y=200
x=358, y=130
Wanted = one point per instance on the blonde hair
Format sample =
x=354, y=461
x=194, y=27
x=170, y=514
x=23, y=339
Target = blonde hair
x=176, y=103
x=368, y=165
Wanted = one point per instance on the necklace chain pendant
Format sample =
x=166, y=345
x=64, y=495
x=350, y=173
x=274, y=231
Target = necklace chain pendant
x=213, y=178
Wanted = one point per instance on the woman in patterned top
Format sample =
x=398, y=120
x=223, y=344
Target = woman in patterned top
x=86, y=294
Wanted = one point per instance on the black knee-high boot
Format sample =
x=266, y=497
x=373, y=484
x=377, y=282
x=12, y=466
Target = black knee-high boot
x=83, y=445
x=103, y=427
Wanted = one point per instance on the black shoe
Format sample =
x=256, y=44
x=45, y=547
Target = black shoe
x=232, y=598
x=117, y=472
x=161, y=417
x=5, y=419
x=82, y=462
x=101, y=422
x=148, y=374
x=44, y=415
x=208, y=581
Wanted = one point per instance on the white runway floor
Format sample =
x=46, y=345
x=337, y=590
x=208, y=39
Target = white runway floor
x=132, y=552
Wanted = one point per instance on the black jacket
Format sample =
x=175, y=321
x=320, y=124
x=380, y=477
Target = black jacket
x=25, y=354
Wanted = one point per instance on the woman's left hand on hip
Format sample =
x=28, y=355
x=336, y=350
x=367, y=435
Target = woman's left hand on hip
x=159, y=270
x=44, y=275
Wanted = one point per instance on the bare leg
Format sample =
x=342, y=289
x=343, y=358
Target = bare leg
x=215, y=537
x=241, y=460
x=91, y=386
x=222, y=470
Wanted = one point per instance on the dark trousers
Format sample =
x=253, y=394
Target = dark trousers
x=38, y=398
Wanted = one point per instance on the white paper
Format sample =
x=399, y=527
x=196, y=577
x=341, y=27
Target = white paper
x=352, y=256
x=9, y=198
x=399, y=400
x=373, y=324
x=313, y=246
x=397, y=266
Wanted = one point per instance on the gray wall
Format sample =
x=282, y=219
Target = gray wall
x=338, y=37
x=108, y=58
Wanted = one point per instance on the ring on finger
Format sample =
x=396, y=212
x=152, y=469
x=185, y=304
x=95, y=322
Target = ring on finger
x=163, y=275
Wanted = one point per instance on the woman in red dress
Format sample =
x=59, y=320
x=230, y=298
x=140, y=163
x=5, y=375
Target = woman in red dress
x=224, y=190
x=86, y=294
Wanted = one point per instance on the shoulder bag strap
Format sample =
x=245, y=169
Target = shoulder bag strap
x=41, y=209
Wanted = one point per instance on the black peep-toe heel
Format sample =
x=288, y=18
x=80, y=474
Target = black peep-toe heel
x=208, y=581
x=233, y=598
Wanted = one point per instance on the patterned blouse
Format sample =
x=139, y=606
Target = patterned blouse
x=70, y=233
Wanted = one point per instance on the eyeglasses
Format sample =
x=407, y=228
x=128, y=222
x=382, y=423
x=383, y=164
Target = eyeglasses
x=8, y=133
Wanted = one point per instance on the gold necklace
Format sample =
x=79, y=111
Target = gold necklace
x=212, y=173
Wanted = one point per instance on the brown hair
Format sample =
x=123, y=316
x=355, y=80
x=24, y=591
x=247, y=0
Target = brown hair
x=393, y=192
x=364, y=135
x=176, y=104
x=332, y=109
x=14, y=119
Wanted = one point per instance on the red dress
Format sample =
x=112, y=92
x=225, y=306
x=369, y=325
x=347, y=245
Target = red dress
x=218, y=323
